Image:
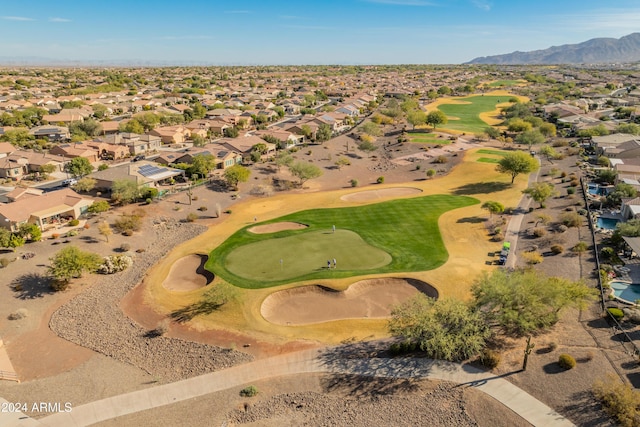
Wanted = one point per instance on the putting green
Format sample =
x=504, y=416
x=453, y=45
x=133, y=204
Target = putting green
x=394, y=236
x=304, y=253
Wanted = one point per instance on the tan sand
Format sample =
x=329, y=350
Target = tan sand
x=372, y=298
x=277, y=226
x=186, y=274
x=367, y=196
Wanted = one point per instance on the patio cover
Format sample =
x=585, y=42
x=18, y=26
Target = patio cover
x=634, y=243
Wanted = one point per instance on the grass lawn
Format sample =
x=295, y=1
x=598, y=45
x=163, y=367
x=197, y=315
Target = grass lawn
x=394, y=236
x=494, y=152
x=488, y=160
x=427, y=138
x=467, y=111
x=505, y=83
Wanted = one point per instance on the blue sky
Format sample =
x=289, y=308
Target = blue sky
x=304, y=31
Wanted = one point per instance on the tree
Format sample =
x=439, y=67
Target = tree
x=371, y=128
x=530, y=137
x=98, y=207
x=71, y=262
x=525, y=301
x=306, y=131
x=342, y=161
x=548, y=130
x=305, y=171
x=540, y=192
x=549, y=152
x=46, y=169
x=417, y=118
x=132, y=126
x=283, y=158
x=518, y=125
x=79, y=167
x=30, y=232
x=445, y=329
x=436, y=118
x=85, y=184
x=493, y=207
x=235, y=175
x=5, y=236
x=231, y=132
x=367, y=146
x=105, y=229
x=124, y=191
x=201, y=165
x=516, y=163
x=492, y=132
x=324, y=133
x=198, y=140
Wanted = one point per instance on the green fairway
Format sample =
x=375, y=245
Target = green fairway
x=427, y=138
x=394, y=236
x=304, y=253
x=505, y=83
x=468, y=115
x=494, y=152
x=488, y=160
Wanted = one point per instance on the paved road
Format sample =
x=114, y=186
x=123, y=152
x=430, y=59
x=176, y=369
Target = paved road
x=307, y=361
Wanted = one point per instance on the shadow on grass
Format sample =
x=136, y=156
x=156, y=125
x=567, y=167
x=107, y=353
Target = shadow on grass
x=31, y=286
x=471, y=220
x=196, y=309
x=481, y=188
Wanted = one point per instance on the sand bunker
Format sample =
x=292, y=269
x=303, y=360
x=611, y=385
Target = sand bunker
x=365, y=196
x=371, y=298
x=276, y=226
x=188, y=274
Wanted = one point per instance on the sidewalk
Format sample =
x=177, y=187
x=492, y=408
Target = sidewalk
x=6, y=368
x=308, y=361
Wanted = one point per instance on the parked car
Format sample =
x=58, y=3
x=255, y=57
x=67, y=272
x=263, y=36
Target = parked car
x=138, y=158
x=69, y=182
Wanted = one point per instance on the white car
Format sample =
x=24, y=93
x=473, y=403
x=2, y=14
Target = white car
x=69, y=182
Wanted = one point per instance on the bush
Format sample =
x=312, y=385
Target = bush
x=440, y=159
x=125, y=247
x=557, y=249
x=403, y=347
x=191, y=217
x=354, y=182
x=566, y=361
x=533, y=257
x=571, y=190
x=571, y=219
x=4, y=262
x=497, y=237
x=431, y=173
x=490, y=359
x=563, y=174
x=74, y=222
x=620, y=400
x=203, y=208
x=228, y=211
x=115, y=263
x=539, y=232
x=128, y=224
x=380, y=180
x=616, y=313
x=249, y=391
x=71, y=233
x=148, y=201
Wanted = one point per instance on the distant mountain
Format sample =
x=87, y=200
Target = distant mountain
x=600, y=51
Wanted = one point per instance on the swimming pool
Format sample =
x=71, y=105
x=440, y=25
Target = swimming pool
x=625, y=290
x=607, y=223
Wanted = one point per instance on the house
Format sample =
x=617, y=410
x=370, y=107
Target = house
x=45, y=210
x=14, y=167
x=172, y=134
x=143, y=173
x=75, y=150
x=607, y=142
x=630, y=208
x=223, y=155
x=244, y=145
x=298, y=130
x=6, y=148
x=23, y=193
x=108, y=151
x=287, y=139
x=136, y=143
x=52, y=133
x=627, y=150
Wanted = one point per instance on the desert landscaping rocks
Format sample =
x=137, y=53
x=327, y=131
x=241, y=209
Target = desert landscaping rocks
x=94, y=320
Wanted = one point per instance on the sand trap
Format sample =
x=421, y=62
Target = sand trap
x=365, y=196
x=276, y=226
x=371, y=298
x=188, y=274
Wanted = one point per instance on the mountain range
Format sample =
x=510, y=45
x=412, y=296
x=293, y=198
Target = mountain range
x=595, y=51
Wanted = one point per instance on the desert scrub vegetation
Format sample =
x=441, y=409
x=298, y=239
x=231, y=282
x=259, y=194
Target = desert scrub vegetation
x=620, y=400
x=249, y=391
x=128, y=224
x=566, y=361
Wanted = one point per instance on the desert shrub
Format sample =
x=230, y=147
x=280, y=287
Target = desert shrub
x=55, y=235
x=571, y=219
x=149, y=193
x=191, y=217
x=582, y=212
x=4, y=262
x=557, y=249
x=539, y=232
x=533, y=257
x=228, y=211
x=128, y=223
x=616, y=313
x=115, y=263
x=59, y=285
x=562, y=228
x=354, y=182
x=249, y=391
x=431, y=173
x=74, y=222
x=607, y=252
x=490, y=359
x=148, y=201
x=20, y=313
x=552, y=346
x=440, y=159
x=203, y=208
x=380, y=180
x=86, y=226
x=619, y=399
x=140, y=250
x=571, y=190
x=139, y=212
x=71, y=233
x=125, y=247
x=128, y=233
x=566, y=361
x=497, y=237
x=563, y=174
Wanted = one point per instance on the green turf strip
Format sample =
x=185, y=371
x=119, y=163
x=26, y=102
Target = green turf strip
x=394, y=236
x=496, y=152
x=488, y=160
x=469, y=114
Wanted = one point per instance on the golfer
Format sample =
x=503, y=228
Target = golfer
x=334, y=228
x=335, y=263
x=328, y=264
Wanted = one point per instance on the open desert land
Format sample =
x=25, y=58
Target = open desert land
x=160, y=321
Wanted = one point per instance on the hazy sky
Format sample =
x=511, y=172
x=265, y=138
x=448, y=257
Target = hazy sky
x=304, y=31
